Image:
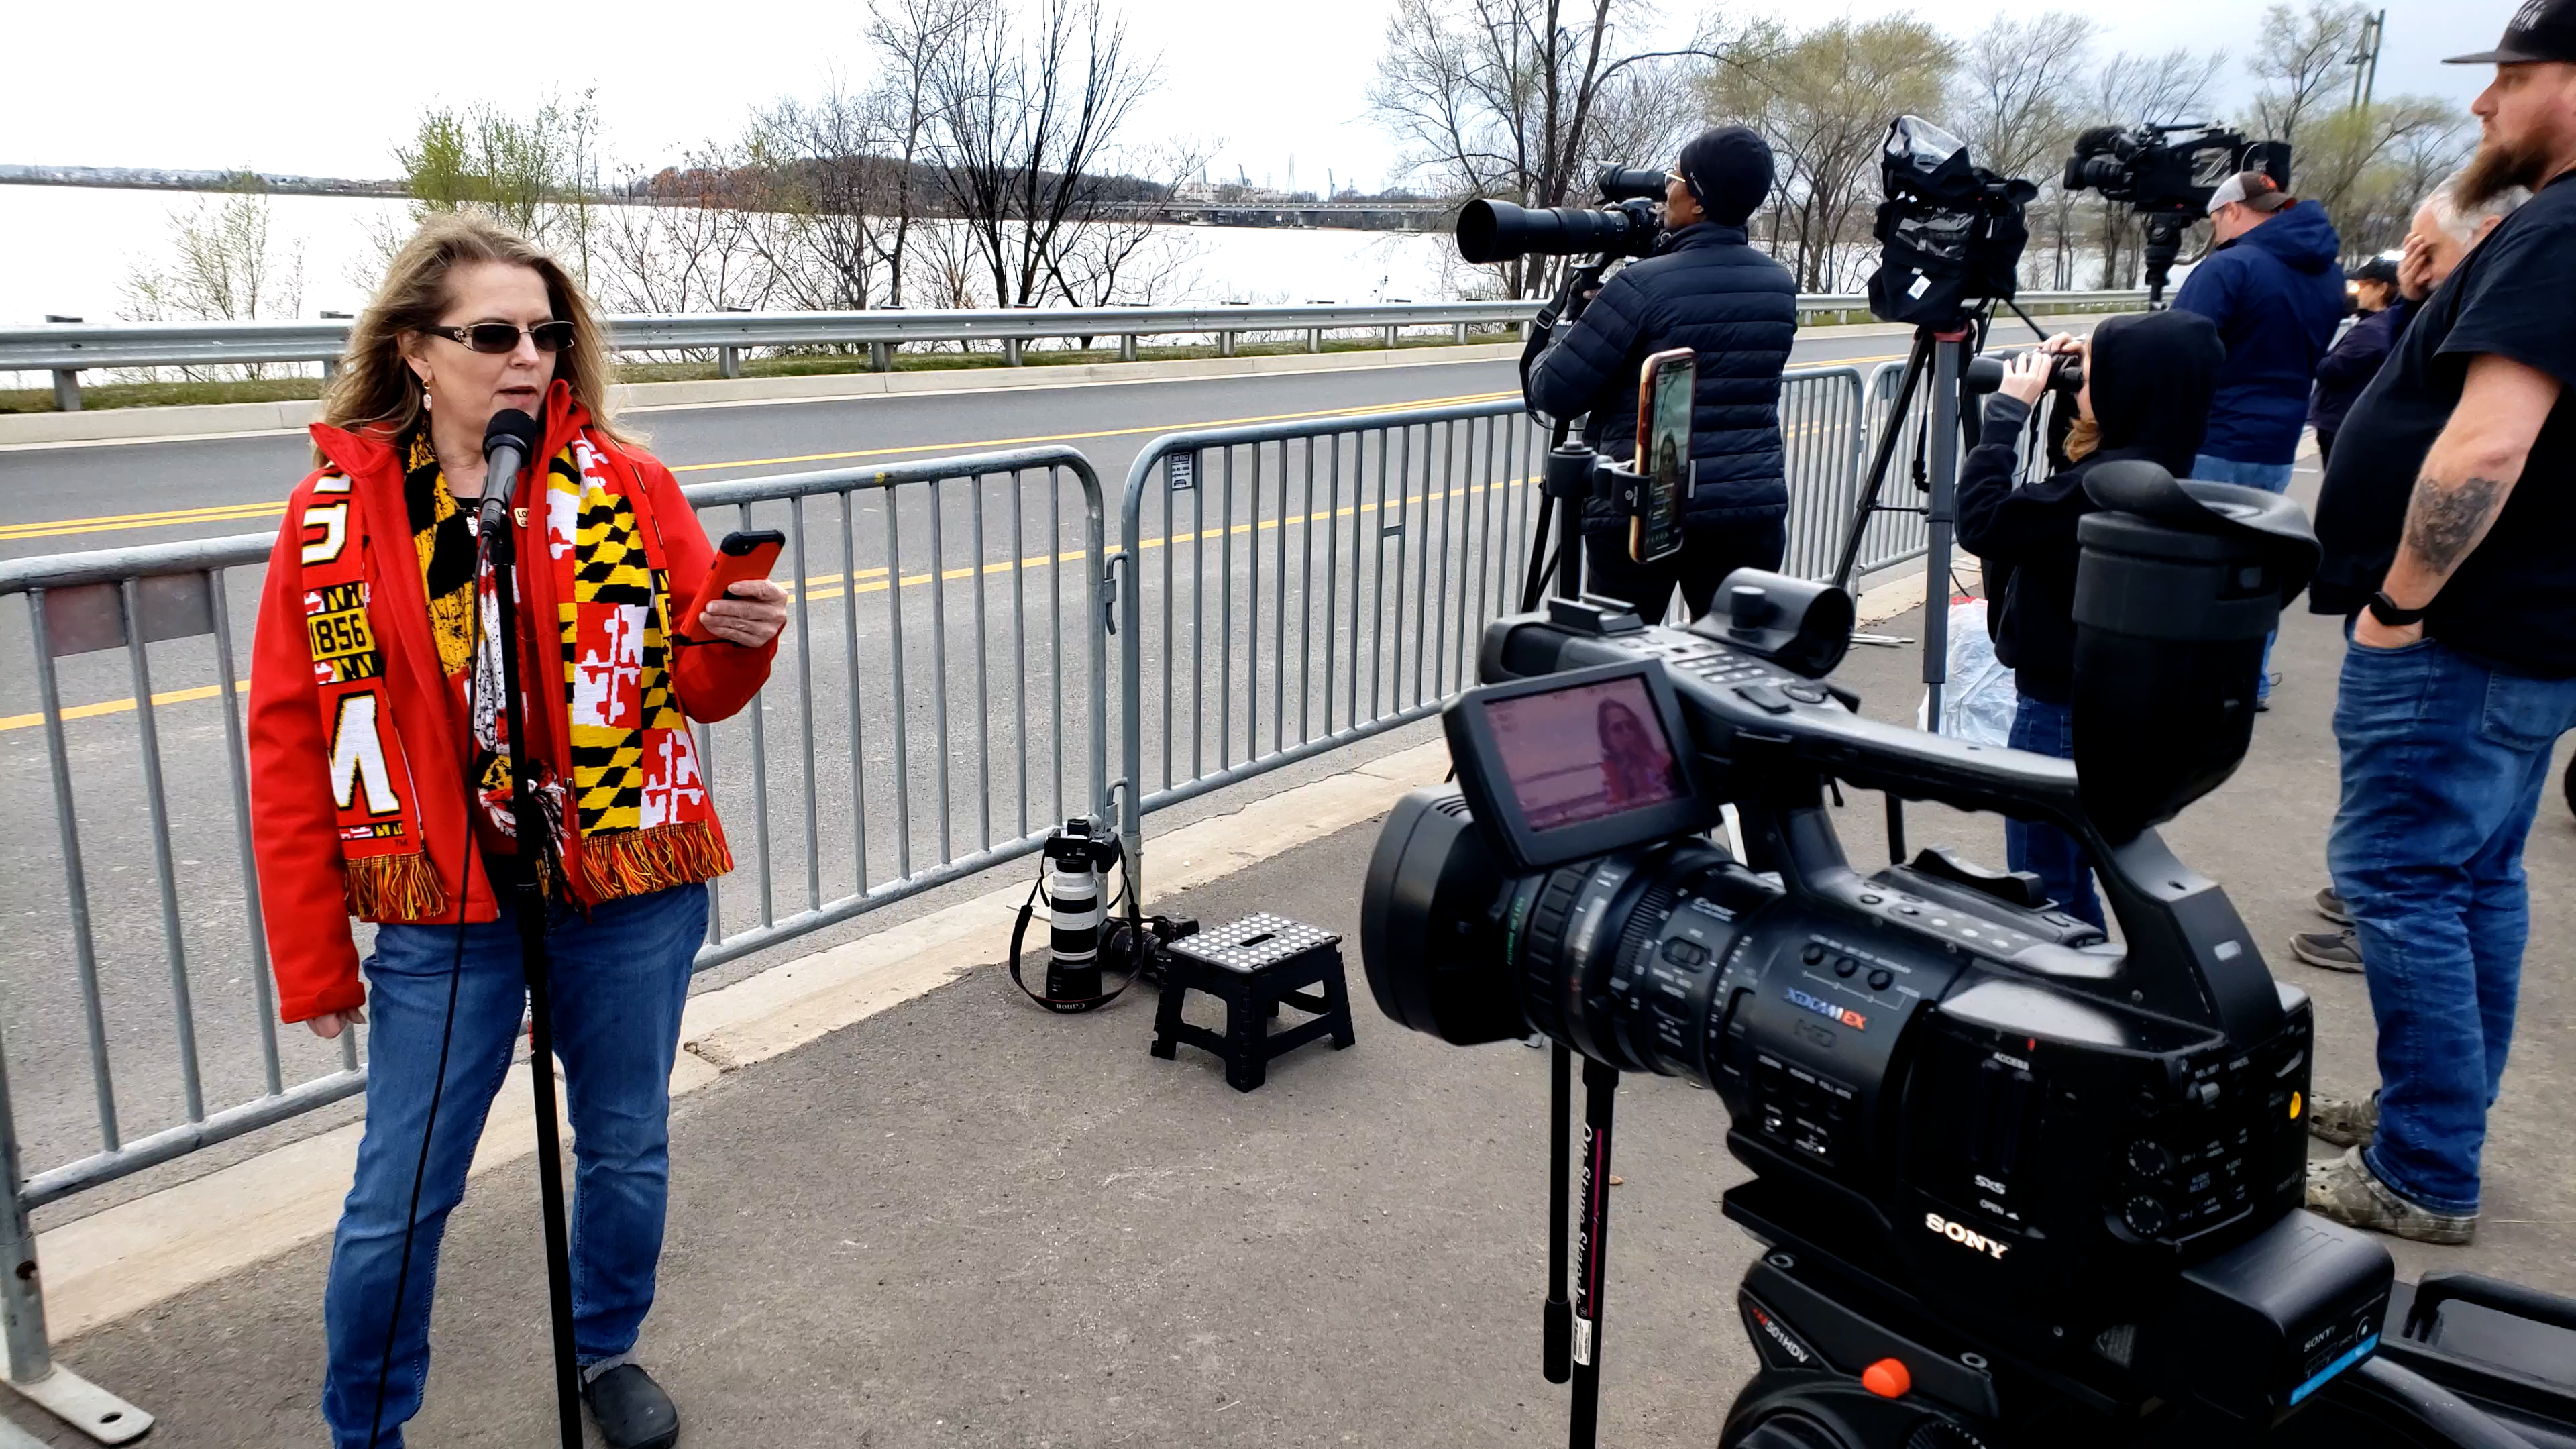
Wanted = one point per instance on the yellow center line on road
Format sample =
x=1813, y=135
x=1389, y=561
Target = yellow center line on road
x=229, y=512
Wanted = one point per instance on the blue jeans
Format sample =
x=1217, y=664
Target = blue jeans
x=2443, y=763
x=2271, y=478
x=2064, y=870
x=619, y=980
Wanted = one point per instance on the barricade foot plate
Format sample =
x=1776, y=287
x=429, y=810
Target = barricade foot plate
x=86, y=1407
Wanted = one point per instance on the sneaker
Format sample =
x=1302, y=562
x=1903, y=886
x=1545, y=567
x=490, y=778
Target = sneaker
x=2344, y=1121
x=2330, y=906
x=2328, y=950
x=2346, y=1190
x=631, y=1410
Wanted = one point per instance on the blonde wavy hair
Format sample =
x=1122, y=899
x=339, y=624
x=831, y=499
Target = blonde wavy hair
x=377, y=392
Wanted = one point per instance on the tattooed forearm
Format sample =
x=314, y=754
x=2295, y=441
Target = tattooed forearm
x=2444, y=520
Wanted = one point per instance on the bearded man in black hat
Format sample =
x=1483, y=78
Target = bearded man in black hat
x=2445, y=520
x=1705, y=288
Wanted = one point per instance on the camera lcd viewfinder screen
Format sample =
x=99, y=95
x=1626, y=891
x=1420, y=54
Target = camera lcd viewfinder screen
x=1585, y=753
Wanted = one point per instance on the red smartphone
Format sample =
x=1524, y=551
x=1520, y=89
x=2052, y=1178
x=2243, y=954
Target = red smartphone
x=745, y=555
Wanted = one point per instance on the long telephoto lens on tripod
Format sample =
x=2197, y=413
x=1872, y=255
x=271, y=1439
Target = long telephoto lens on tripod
x=1497, y=231
x=1617, y=957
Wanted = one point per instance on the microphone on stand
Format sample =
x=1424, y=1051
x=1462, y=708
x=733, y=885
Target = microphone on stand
x=507, y=441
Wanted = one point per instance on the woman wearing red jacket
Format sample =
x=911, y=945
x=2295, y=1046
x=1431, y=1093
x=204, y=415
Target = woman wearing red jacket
x=381, y=788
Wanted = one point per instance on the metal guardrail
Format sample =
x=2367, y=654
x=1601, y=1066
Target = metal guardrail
x=67, y=349
x=930, y=589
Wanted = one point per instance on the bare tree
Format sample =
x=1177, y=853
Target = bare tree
x=1824, y=99
x=683, y=243
x=909, y=37
x=2303, y=61
x=2368, y=165
x=822, y=190
x=2019, y=90
x=1521, y=99
x=226, y=267
x=1022, y=128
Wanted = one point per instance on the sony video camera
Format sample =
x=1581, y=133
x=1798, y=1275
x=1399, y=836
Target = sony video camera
x=1625, y=223
x=1950, y=232
x=2053, y=1176
x=2166, y=175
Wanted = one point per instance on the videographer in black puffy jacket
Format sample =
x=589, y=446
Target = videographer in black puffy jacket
x=1707, y=289
x=2148, y=379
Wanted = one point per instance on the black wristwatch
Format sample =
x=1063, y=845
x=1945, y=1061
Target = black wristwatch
x=2387, y=611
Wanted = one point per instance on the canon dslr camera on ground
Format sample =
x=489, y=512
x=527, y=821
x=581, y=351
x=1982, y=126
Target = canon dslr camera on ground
x=2018, y=1185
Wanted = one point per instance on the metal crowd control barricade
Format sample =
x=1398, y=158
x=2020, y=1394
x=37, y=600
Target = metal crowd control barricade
x=1308, y=584
x=947, y=666
x=1289, y=588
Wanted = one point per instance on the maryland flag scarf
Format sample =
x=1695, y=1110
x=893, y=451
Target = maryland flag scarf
x=636, y=799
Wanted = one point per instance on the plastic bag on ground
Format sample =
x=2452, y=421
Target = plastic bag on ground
x=1978, y=698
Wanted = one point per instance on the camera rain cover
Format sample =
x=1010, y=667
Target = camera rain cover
x=1949, y=231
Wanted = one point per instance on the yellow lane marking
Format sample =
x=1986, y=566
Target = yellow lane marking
x=117, y=706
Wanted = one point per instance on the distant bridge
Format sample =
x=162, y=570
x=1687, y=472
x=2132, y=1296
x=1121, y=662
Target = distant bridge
x=1351, y=215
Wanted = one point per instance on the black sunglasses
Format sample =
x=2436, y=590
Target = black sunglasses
x=504, y=337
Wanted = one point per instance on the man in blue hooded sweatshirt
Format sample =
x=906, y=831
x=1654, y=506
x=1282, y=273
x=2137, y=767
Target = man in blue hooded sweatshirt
x=2271, y=284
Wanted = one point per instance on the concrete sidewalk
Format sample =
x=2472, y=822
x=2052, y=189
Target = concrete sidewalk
x=964, y=1222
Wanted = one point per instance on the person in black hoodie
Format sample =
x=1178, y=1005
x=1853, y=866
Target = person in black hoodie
x=2148, y=378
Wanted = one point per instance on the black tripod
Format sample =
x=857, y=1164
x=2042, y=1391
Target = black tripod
x=531, y=870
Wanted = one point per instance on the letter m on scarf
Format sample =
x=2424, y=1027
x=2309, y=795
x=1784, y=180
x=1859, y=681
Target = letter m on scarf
x=358, y=758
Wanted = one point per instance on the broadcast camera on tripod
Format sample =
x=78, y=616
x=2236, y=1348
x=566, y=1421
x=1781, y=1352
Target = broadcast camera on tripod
x=2017, y=1185
x=2167, y=174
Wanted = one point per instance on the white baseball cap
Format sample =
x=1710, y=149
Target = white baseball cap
x=2256, y=189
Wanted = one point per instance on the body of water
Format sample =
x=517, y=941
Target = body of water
x=71, y=251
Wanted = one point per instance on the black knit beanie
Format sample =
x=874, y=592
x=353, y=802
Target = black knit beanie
x=1729, y=172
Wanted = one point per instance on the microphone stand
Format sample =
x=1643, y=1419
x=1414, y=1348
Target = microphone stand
x=1567, y=481
x=527, y=892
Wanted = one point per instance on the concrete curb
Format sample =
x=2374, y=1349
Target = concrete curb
x=125, y=1259
x=218, y=420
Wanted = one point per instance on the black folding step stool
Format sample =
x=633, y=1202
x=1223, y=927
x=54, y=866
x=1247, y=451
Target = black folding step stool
x=1253, y=965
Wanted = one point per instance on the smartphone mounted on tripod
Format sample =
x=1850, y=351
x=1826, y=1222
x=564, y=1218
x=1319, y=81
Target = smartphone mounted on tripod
x=1664, y=471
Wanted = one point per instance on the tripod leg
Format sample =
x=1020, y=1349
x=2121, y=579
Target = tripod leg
x=1557, y=1336
x=1915, y=362
x=1600, y=1088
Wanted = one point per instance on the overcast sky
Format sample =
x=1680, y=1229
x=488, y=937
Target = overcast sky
x=300, y=86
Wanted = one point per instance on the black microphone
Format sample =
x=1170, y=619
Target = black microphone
x=507, y=441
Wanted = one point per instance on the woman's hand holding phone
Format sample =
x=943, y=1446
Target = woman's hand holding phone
x=751, y=613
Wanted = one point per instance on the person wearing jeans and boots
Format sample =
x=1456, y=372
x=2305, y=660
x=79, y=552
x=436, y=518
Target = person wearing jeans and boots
x=2452, y=500
x=381, y=787
x=2442, y=233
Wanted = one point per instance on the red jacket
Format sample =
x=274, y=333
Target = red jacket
x=292, y=819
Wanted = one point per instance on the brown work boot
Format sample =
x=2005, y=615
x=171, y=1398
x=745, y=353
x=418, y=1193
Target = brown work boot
x=2346, y=1190
x=2343, y=1121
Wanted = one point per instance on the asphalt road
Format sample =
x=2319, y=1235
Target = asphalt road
x=1286, y=600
